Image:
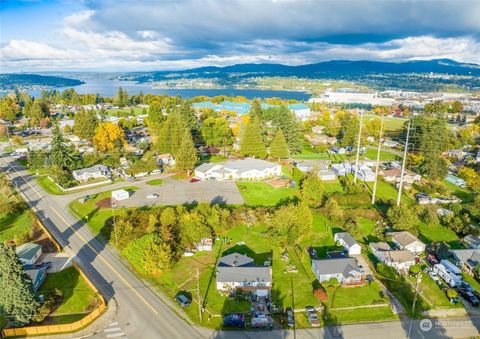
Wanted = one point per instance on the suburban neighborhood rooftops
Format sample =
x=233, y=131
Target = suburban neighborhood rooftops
x=396, y=172
x=206, y=166
x=345, y=236
x=472, y=240
x=93, y=169
x=27, y=251
x=399, y=256
x=235, y=260
x=468, y=256
x=380, y=246
x=346, y=266
x=241, y=165
x=403, y=238
x=245, y=273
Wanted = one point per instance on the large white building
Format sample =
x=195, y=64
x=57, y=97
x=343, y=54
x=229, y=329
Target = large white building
x=353, y=98
x=249, y=168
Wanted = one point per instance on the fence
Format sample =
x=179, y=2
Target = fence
x=71, y=189
x=63, y=328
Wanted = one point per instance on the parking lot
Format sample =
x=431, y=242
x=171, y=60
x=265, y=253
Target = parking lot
x=177, y=192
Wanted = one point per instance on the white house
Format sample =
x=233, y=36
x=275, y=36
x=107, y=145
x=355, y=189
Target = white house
x=345, y=270
x=472, y=241
x=443, y=212
x=365, y=174
x=394, y=174
x=28, y=253
x=327, y=175
x=348, y=242
x=205, y=245
x=120, y=195
x=407, y=241
x=237, y=271
x=301, y=111
x=249, y=168
x=337, y=150
x=165, y=159
x=341, y=169
x=94, y=172
x=400, y=260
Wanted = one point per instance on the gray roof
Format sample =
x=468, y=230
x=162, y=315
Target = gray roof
x=235, y=260
x=93, y=169
x=27, y=251
x=345, y=236
x=472, y=240
x=244, y=274
x=247, y=164
x=380, y=246
x=205, y=166
x=470, y=256
x=403, y=238
x=399, y=256
x=346, y=266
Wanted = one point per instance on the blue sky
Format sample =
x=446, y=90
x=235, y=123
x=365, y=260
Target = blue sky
x=109, y=35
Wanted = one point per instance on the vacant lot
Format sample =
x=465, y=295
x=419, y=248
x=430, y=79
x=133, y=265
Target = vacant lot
x=263, y=194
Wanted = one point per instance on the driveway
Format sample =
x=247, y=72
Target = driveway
x=58, y=261
x=178, y=192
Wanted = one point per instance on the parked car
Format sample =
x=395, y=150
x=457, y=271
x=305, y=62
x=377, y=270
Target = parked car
x=290, y=317
x=434, y=276
x=234, y=320
x=312, y=316
x=152, y=196
x=194, y=180
x=469, y=297
x=466, y=286
x=183, y=300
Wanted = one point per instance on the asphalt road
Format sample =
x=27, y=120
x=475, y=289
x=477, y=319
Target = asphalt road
x=142, y=313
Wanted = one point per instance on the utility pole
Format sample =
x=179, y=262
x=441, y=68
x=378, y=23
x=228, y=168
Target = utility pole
x=378, y=161
x=198, y=297
x=114, y=224
x=419, y=279
x=358, y=147
x=293, y=310
x=403, y=164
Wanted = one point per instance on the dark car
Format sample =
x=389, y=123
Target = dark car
x=183, y=300
x=466, y=286
x=290, y=317
x=469, y=296
x=234, y=320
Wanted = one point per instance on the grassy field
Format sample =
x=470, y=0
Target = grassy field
x=431, y=233
x=263, y=194
x=78, y=298
x=155, y=182
x=14, y=225
x=387, y=191
x=94, y=215
x=371, y=314
x=117, y=112
x=371, y=154
x=48, y=185
x=432, y=293
x=389, y=124
x=463, y=194
x=350, y=297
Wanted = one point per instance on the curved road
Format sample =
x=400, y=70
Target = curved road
x=143, y=313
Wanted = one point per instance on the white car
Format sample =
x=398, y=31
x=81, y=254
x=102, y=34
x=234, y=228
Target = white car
x=152, y=196
x=433, y=276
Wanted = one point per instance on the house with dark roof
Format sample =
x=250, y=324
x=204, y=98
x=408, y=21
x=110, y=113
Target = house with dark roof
x=248, y=168
x=348, y=243
x=238, y=272
x=472, y=241
x=467, y=259
x=93, y=172
x=345, y=270
x=37, y=275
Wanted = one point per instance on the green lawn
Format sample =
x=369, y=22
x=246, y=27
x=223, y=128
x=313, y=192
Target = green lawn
x=48, y=185
x=384, y=155
x=371, y=314
x=433, y=293
x=115, y=112
x=355, y=296
x=463, y=194
x=155, y=182
x=263, y=194
x=387, y=191
x=429, y=233
x=78, y=297
x=390, y=124
x=15, y=226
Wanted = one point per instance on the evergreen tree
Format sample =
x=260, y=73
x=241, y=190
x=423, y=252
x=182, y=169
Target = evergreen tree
x=85, y=124
x=170, y=136
x=187, y=153
x=17, y=298
x=215, y=132
x=121, y=99
x=256, y=110
x=279, y=147
x=60, y=155
x=251, y=143
x=155, y=117
x=188, y=115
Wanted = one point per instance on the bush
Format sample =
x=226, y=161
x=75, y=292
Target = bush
x=48, y=306
x=415, y=269
x=320, y=294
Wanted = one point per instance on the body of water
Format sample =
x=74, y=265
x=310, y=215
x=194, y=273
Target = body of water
x=109, y=88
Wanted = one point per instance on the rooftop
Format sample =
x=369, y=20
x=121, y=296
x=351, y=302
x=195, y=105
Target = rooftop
x=403, y=238
x=27, y=251
x=346, y=266
x=235, y=260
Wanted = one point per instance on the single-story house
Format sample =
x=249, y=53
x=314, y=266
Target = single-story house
x=28, y=253
x=37, y=275
x=249, y=168
x=348, y=242
x=307, y=166
x=301, y=111
x=390, y=143
x=238, y=271
x=455, y=180
x=120, y=195
x=341, y=169
x=94, y=172
x=345, y=270
x=456, y=153
x=327, y=175
x=472, y=241
x=468, y=259
x=394, y=174
x=407, y=241
x=400, y=260
x=365, y=174
x=205, y=245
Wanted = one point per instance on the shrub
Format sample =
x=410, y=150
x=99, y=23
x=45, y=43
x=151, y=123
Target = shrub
x=320, y=294
x=48, y=306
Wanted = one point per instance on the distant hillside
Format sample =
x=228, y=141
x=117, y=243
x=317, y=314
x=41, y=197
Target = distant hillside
x=12, y=81
x=329, y=69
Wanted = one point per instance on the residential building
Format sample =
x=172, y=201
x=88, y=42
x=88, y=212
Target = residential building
x=348, y=242
x=390, y=143
x=407, y=241
x=120, y=195
x=455, y=180
x=238, y=271
x=443, y=212
x=472, y=241
x=327, y=175
x=205, y=245
x=28, y=253
x=94, y=172
x=301, y=111
x=165, y=159
x=467, y=259
x=345, y=270
x=341, y=169
x=337, y=150
x=394, y=174
x=37, y=275
x=400, y=260
x=249, y=168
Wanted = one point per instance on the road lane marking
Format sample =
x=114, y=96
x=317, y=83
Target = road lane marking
x=105, y=261
x=113, y=329
x=113, y=335
x=113, y=324
x=91, y=247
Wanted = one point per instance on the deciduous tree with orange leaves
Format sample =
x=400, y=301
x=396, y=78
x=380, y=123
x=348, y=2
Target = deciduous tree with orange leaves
x=108, y=137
